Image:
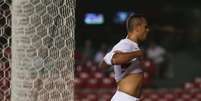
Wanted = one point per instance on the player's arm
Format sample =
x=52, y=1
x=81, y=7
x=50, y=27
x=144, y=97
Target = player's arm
x=125, y=57
x=119, y=58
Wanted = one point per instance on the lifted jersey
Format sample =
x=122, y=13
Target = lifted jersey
x=125, y=45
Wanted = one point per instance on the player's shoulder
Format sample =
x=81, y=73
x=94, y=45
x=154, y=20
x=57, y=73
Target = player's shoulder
x=123, y=43
x=128, y=42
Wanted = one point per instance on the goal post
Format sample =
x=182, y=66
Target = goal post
x=42, y=50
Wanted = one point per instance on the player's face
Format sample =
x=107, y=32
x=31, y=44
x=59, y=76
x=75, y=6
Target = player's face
x=144, y=30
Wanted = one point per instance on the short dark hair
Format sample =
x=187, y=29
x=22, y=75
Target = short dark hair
x=133, y=20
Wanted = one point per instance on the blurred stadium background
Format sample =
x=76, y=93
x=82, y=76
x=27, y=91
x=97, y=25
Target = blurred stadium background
x=174, y=71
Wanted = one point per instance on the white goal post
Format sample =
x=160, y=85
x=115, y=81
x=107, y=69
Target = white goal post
x=42, y=50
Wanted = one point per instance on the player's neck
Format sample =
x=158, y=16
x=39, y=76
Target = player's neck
x=132, y=38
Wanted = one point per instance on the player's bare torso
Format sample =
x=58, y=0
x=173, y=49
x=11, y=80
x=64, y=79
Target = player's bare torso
x=131, y=84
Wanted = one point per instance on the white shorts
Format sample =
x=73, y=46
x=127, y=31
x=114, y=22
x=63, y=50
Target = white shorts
x=121, y=96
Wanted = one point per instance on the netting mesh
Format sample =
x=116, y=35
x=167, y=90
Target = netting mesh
x=5, y=49
x=42, y=50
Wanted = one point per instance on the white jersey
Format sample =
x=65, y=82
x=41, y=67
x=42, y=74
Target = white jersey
x=125, y=45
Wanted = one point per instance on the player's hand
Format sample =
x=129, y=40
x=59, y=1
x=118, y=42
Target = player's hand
x=142, y=52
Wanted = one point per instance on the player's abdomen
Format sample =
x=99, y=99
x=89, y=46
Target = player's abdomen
x=131, y=84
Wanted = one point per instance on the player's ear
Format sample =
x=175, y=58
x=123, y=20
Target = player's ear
x=137, y=28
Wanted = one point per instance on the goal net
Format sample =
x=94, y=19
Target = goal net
x=5, y=50
x=42, y=50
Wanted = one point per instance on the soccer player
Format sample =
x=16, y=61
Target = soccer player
x=125, y=58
